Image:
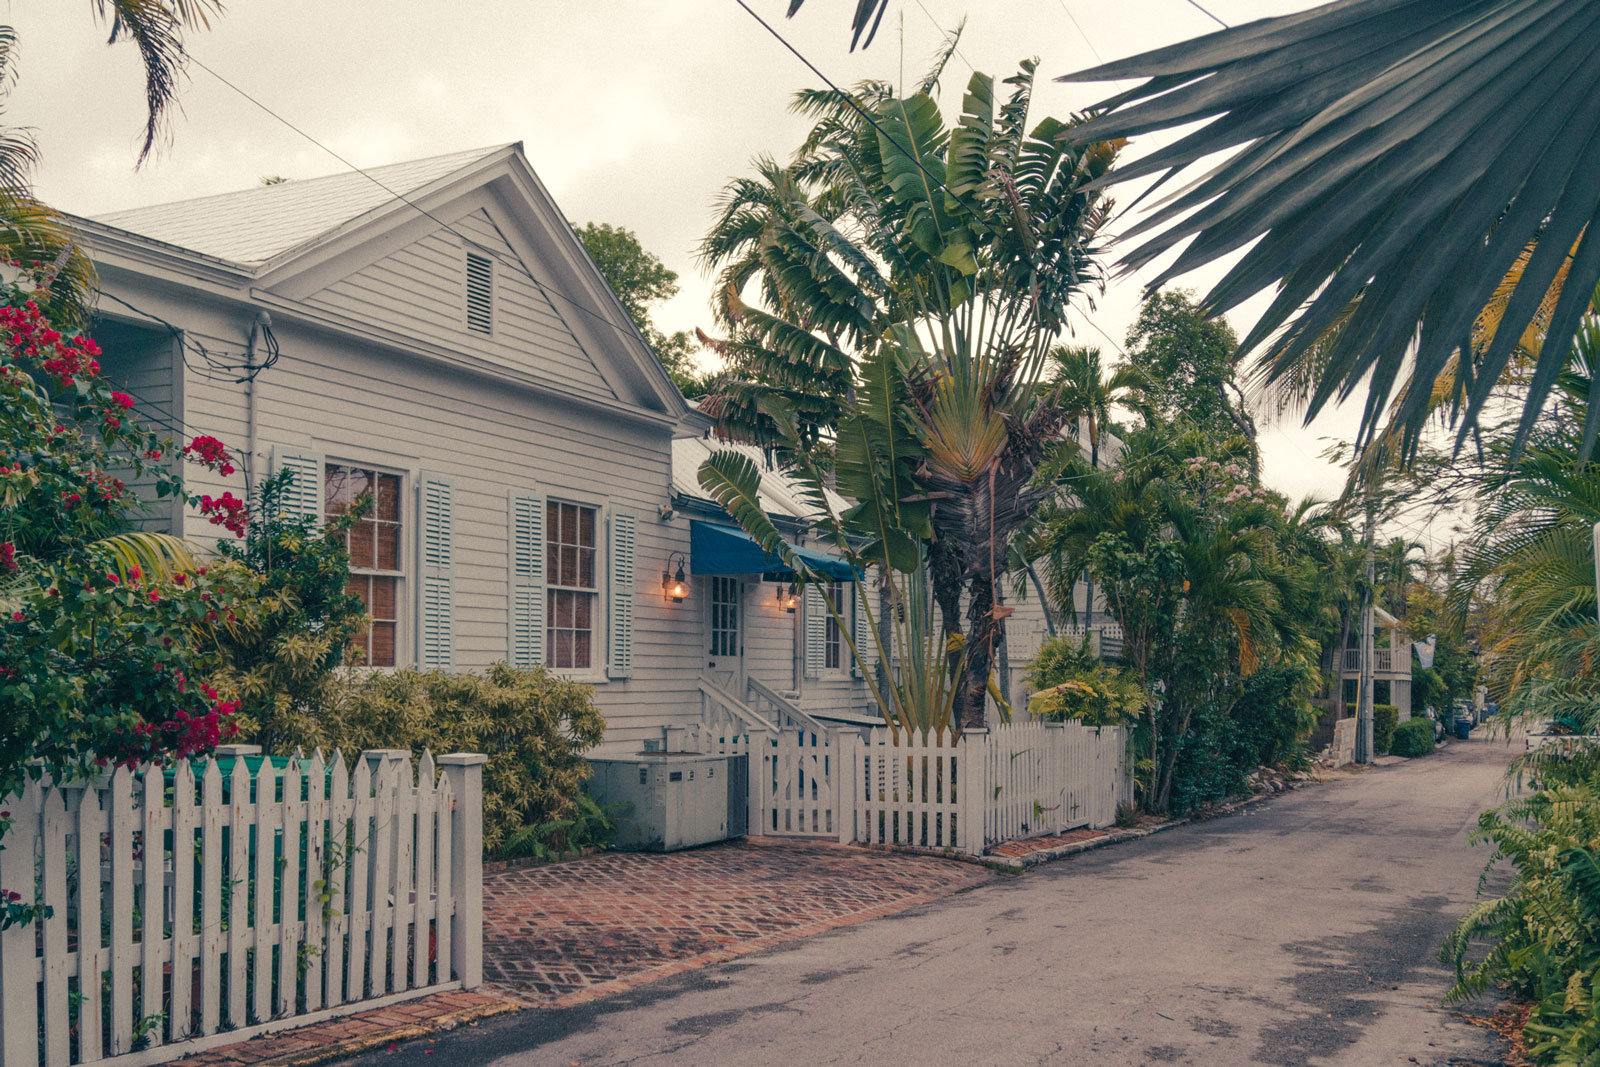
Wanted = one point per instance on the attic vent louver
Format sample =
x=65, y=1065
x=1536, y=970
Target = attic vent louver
x=480, y=293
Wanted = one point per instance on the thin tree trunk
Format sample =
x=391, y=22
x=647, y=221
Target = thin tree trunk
x=1044, y=601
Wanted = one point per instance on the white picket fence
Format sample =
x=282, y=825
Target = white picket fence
x=190, y=908
x=936, y=790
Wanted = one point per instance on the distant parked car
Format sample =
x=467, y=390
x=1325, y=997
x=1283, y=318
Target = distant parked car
x=1462, y=720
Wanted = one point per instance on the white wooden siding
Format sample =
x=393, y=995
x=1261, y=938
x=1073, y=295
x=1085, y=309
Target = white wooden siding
x=359, y=404
x=421, y=290
x=145, y=370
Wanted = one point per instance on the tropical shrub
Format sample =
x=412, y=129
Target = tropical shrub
x=1412, y=738
x=533, y=725
x=108, y=634
x=1545, y=930
x=1385, y=717
x=1072, y=684
x=280, y=661
x=1274, y=712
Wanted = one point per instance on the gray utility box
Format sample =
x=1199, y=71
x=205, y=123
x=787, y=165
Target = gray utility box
x=678, y=799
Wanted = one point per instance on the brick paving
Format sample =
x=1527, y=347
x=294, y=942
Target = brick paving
x=570, y=932
x=564, y=933
x=345, y=1036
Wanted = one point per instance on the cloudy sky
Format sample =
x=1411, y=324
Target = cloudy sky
x=634, y=112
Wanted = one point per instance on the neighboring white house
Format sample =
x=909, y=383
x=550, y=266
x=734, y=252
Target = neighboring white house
x=435, y=333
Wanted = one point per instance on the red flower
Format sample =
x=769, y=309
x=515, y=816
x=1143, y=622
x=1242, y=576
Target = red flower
x=8, y=557
x=122, y=400
x=113, y=578
x=17, y=615
x=135, y=573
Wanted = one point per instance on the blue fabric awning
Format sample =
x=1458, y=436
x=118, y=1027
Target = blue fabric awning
x=715, y=549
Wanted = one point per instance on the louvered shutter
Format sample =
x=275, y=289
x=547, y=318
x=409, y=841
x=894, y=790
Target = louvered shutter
x=480, y=293
x=525, y=520
x=435, y=572
x=815, y=632
x=303, y=495
x=861, y=634
x=623, y=551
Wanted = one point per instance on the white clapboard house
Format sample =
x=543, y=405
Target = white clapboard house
x=434, y=333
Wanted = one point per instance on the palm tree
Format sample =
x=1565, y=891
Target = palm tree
x=1206, y=590
x=1369, y=180
x=935, y=264
x=32, y=231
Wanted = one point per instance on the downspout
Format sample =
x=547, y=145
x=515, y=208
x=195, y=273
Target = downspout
x=262, y=323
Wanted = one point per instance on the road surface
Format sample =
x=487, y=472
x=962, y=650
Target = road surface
x=1304, y=931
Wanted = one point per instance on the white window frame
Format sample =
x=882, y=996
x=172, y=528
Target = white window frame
x=599, y=641
x=405, y=579
x=841, y=594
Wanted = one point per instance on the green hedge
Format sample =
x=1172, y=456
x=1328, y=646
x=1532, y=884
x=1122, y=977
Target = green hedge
x=533, y=726
x=1385, y=717
x=1414, y=737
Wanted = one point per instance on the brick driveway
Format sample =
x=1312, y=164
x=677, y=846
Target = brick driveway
x=569, y=932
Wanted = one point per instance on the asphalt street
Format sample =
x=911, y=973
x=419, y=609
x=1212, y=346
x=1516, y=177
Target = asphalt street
x=1303, y=931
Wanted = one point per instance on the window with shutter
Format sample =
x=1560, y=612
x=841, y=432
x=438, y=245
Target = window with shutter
x=377, y=566
x=526, y=594
x=435, y=572
x=624, y=549
x=572, y=589
x=480, y=293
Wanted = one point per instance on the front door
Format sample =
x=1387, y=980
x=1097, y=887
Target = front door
x=725, y=632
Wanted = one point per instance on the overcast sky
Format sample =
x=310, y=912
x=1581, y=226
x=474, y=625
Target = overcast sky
x=634, y=113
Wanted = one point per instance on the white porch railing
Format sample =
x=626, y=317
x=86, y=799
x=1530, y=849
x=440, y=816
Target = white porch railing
x=1383, y=661
x=190, y=908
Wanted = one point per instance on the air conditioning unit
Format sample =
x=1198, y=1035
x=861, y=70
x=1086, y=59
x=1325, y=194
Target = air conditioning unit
x=674, y=799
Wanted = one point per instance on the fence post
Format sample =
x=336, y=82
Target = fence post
x=19, y=1016
x=847, y=771
x=973, y=798
x=465, y=773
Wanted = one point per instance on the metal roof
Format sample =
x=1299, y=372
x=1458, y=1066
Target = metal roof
x=780, y=495
x=253, y=226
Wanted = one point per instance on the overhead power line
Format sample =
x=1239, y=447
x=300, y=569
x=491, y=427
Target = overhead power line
x=1194, y=4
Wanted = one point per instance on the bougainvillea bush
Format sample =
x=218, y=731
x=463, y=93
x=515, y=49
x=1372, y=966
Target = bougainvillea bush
x=107, y=634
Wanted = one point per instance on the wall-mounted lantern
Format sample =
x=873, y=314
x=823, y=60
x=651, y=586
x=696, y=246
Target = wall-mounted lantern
x=788, y=597
x=674, y=585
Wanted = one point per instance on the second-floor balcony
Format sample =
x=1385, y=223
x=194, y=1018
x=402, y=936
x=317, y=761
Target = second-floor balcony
x=1384, y=661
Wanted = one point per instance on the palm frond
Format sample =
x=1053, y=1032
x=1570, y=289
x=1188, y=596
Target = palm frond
x=1372, y=147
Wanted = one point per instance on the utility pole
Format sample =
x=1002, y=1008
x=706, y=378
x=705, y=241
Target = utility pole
x=1364, y=751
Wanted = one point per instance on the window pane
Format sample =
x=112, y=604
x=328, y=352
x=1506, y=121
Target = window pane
x=343, y=485
x=569, y=524
x=586, y=567
x=580, y=649
x=362, y=553
x=581, y=604
x=388, y=504
x=563, y=648
x=382, y=603
x=388, y=547
x=586, y=527
x=383, y=641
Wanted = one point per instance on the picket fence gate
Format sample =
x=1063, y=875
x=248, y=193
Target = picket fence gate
x=935, y=790
x=189, y=908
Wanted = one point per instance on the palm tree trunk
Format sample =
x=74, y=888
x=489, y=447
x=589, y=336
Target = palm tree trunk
x=1044, y=601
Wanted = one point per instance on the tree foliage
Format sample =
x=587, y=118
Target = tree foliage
x=641, y=280
x=895, y=290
